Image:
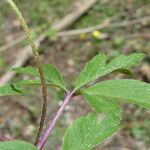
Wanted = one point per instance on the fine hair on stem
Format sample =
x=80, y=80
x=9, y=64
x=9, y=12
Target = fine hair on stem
x=38, y=65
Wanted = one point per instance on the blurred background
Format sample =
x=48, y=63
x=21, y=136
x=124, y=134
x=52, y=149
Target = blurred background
x=116, y=27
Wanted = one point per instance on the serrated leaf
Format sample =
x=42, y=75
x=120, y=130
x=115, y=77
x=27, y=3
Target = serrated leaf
x=51, y=74
x=88, y=131
x=123, y=62
x=17, y=145
x=96, y=68
x=131, y=91
x=10, y=90
x=91, y=70
x=103, y=105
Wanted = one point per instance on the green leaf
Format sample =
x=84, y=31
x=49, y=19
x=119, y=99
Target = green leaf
x=17, y=145
x=96, y=68
x=10, y=90
x=28, y=82
x=103, y=105
x=91, y=70
x=124, y=62
x=26, y=70
x=131, y=91
x=51, y=74
x=14, y=89
x=124, y=71
x=88, y=131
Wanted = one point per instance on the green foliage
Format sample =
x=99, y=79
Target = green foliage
x=16, y=145
x=131, y=91
x=103, y=105
x=16, y=88
x=9, y=90
x=88, y=131
x=97, y=67
x=52, y=75
x=91, y=70
x=124, y=62
x=124, y=71
x=27, y=82
x=27, y=70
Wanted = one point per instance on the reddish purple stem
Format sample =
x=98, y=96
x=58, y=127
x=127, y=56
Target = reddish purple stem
x=51, y=125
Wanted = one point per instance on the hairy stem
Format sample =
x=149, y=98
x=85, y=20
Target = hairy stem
x=38, y=64
x=52, y=124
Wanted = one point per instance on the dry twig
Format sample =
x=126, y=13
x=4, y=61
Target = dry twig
x=105, y=25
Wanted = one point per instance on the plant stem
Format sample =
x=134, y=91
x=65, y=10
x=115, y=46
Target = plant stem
x=38, y=64
x=52, y=124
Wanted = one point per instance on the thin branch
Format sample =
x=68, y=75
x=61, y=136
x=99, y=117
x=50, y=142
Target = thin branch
x=52, y=124
x=38, y=64
x=102, y=26
x=105, y=36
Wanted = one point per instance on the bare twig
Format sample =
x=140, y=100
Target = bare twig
x=102, y=26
